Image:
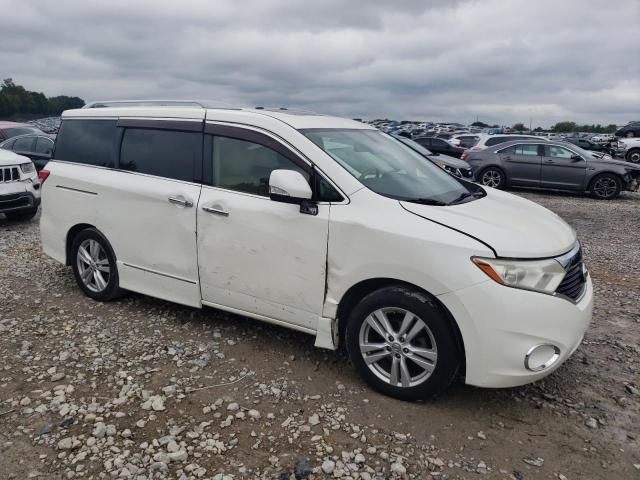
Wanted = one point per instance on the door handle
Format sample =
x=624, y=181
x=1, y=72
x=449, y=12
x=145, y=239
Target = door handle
x=180, y=201
x=216, y=211
x=549, y=161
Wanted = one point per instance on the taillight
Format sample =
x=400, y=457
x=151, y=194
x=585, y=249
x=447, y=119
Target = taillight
x=43, y=175
x=464, y=156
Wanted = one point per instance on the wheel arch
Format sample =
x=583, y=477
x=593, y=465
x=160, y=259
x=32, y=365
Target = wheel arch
x=608, y=172
x=363, y=288
x=71, y=235
x=498, y=166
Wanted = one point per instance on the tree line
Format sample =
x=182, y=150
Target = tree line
x=17, y=99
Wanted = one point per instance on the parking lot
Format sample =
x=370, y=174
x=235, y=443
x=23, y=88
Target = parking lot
x=142, y=388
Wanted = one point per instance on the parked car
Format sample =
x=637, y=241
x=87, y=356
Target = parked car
x=13, y=129
x=37, y=147
x=323, y=225
x=587, y=144
x=464, y=140
x=553, y=166
x=440, y=146
x=486, y=141
x=632, y=129
x=453, y=165
x=631, y=149
x=19, y=186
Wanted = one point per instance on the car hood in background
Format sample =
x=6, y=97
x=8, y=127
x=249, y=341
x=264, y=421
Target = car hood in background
x=512, y=226
x=7, y=157
x=448, y=160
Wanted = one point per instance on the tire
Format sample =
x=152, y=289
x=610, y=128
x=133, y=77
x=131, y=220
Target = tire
x=633, y=155
x=606, y=186
x=100, y=264
x=493, y=177
x=23, y=216
x=438, y=360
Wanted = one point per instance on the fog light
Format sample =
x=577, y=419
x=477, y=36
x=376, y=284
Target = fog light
x=541, y=357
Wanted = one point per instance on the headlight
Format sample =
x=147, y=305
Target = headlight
x=539, y=275
x=27, y=168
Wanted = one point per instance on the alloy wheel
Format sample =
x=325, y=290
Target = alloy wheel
x=398, y=347
x=605, y=187
x=93, y=265
x=634, y=157
x=491, y=178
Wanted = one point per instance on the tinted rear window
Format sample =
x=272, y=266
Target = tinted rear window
x=163, y=153
x=90, y=142
x=496, y=140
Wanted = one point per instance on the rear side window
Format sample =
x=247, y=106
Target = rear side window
x=526, y=150
x=90, y=142
x=163, y=153
x=44, y=146
x=496, y=140
x=23, y=144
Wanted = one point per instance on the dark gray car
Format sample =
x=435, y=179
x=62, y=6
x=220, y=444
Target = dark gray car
x=552, y=166
x=453, y=165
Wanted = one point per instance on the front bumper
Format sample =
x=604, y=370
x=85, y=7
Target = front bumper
x=501, y=325
x=16, y=202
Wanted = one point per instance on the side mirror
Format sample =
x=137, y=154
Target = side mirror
x=576, y=158
x=288, y=186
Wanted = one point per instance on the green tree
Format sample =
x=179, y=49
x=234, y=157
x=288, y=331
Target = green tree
x=479, y=124
x=519, y=127
x=16, y=99
x=564, y=127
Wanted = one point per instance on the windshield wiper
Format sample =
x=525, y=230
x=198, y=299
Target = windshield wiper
x=476, y=194
x=427, y=201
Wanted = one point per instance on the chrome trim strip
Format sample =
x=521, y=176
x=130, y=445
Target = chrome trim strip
x=148, y=270
x=87, y=192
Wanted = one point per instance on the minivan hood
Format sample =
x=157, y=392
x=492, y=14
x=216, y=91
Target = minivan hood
x=512, y=226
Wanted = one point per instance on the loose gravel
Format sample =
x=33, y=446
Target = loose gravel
x=145, y=389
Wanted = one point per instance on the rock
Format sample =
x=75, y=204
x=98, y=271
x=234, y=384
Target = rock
x=328, y=466
x=632, y=390
x=179, y=456
x=172, y=446
x=535, y=462
x=302, y=469
x=398, y=469
x=233, y=407
x=157, y=403
x=359, y=459
x=481, y=435
x=314, y=419
x=56, y=377
x=25, y=401
x=100, y=430
x=591, y=422
x=255, y=414
x=65, y=444
x=64, y=356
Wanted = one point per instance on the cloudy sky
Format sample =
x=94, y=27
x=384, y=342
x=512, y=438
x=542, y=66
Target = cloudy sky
x=502, y=61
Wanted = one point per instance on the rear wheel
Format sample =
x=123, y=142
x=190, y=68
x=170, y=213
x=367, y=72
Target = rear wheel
x=402, y=344
x=493, y=177
x=633, y=156
x=606, y=186
x=22, y=215
x=94, y=265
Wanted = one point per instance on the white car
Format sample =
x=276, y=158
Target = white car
x=19, y=186
x=320, y=224
x=485, y=141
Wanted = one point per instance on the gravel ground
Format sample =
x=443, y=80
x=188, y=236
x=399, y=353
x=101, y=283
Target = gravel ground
x=141, y=388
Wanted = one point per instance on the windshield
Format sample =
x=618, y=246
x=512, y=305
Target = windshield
x=390, y=168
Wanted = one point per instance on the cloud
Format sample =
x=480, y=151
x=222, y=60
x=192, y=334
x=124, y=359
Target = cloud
x=499, y=60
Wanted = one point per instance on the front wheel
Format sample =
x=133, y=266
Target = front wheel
x=94, y=265
x=402, y=344
x=606, y=186
x=493, y=177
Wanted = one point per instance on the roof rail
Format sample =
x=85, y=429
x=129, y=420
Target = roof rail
x=161, y=103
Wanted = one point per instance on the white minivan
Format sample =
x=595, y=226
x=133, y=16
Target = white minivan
x=320, y=224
